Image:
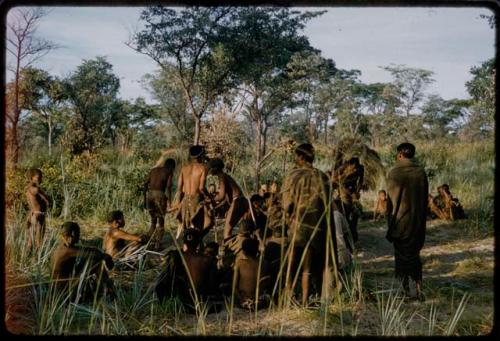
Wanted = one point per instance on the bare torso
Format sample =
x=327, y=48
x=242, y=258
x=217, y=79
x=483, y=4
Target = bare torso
x=159, y=179
x=37, y=199
x=192, y=179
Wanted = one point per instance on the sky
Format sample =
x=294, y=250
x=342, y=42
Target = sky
x=447, y=41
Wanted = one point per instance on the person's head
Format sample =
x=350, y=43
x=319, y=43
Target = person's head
x=197, y=152
x=304, y=154
x=405, y=151
x=70, y=233
x=382, y=194
x=250, y=247
x=215, y=166
x=116, y=219
x=34, y=175
x=211, y=249
x=264, y=188
x=444, y=189
x=169, y=164
x=211, y=188
x=353, y=161
x=257, y=200
x=274, y=187
x=191, y=239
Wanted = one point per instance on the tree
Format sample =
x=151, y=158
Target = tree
x=482, y=90
x=43, y=96
x=263, y=40
x=439, y=115
x=25, y=48
x=96, y=112
x=188, y=42
x=410, y=84
x=169, y=93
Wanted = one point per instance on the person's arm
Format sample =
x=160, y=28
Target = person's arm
x=44, y=196
x=169, y=189
x=119, y=234
x=203, y=182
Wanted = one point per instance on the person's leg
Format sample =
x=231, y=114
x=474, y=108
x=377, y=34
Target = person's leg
x=306, y=275
x=39, y=230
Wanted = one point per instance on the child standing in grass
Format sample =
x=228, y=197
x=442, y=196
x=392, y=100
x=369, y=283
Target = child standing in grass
x=70, y=261
x=38, y=203
x=118, y=243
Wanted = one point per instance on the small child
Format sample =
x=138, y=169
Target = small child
x=115, y=241
x=246, y=277
x=38, y=203
x=381, y=208
x=69, y=261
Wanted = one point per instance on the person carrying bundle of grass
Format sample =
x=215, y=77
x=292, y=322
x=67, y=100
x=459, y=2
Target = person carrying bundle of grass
x=70, y=262
x=38, y=204
x=306, y=204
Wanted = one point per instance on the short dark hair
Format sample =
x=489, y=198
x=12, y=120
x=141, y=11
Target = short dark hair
x=353, y=161
x=191, y=237
x=216, y=164
x=30, y=173
x=407, y=149
x=382, y=191
x=115, y=216
x=250, y=247
x=196, y=151
x=256, y=197
x=212, y=246
x=70, y=229
x=169, y=163
x=306, y=150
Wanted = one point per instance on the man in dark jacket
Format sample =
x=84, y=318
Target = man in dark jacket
x=408, y=189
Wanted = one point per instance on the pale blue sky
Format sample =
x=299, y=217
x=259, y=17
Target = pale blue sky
x=447, y=41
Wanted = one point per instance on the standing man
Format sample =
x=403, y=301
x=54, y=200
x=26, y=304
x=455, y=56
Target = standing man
x=408, y=190
x=306, y=200
x=158, y=196
x=191, y=193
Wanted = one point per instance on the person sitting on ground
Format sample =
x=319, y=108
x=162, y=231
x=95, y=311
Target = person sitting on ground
x=247, y=276
x=450, y=206
x=118, y=243
x=69, y=261
x=198, y=284
x=382, y=206
x=38, y=204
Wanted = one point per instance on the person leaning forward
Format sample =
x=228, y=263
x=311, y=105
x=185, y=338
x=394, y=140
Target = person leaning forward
x=408, y=190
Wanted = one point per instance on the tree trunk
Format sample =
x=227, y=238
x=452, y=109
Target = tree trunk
x=326, y=130
x=258, y=155
x=197, y=129
x=49, y=142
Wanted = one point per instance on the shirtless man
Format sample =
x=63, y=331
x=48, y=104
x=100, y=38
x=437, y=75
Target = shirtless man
x=38, y=203
x=115, y=241
x=156, y=200
x=191, y=194
x=230, y=192
x=69, y=261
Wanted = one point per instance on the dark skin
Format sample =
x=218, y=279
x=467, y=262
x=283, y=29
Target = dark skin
x=380, y=208
x=159, y=179
x=246, y=277
x=228, y=191
x=38, y=203
x=203, y=270
x=192, y=181
x=65, y=257
x=115, y=236
x=307, y=263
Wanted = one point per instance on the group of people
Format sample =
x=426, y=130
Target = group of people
x=305, y=232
